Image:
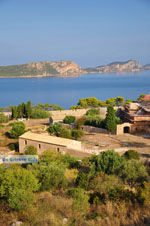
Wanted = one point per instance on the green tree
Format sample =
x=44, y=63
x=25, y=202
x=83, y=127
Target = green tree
x=109, y=162
x=140, y=97
x=39, y=113
x=17, y=130
x=110, y=120
x=14, y=112
x=119, y=101
x=133, y=172
x=93, y=112
x=55, y=129
x=83, y=103
x=111, y=101
x=28, y=109
x=19, y=111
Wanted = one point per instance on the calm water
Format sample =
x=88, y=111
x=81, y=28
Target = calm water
x=67, y=91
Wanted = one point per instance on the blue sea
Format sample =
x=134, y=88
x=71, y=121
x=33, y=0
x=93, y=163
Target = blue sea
x=67, y=91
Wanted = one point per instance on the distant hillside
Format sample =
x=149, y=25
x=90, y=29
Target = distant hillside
x=41, y=69
x=67, y=68
x=116, y=67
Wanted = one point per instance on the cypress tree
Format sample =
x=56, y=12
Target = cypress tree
x=110, y=121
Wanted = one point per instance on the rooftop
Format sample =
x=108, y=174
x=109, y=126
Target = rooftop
x=146, y=98
x=45, y=138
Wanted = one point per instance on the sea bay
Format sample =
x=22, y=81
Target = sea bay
x=66, y=91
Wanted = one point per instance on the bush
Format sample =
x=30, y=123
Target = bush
x=80, y=202
x=51, y=176
x=133, y=172
x=82, y=180
x=65, y=133
x=131, y=154
x=16, y=184
x=14, y=146
x=120, y=194
x=20, y=199
x=76, y=134
x=95, y=121
x=81, y=121
x=69, y=119
x=93, y=111
x=3, y=118
x=30, y=150
x=55, y=129
x=17, y=130
x=38, y=113
x=109, y=162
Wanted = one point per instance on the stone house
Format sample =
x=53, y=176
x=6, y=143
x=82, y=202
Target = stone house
x=44, y=141
x=138, y=114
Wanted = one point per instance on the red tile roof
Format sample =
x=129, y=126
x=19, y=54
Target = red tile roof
x=146, y=98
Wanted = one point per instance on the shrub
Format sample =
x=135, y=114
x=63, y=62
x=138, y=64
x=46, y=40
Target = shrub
x=30, y=150
x=76, y=134
x=55, y=129
x=51, y=176
x=133, y=172
x=65, y=133
x=120, y=194
x=82, y=180
x=3, y=118
x=38, y=113
x=93, y=111
x=95, y=121
x=131, y=154
x=80, y=202
x=14, y=146
x=81, y=121
x=109, y=162
x=17, y=130
x=16, y=184
x=20, y=199
x=69, y=119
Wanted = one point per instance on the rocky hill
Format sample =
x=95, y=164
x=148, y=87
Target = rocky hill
x=67, y=69
x=118, y=67
x=41, y=69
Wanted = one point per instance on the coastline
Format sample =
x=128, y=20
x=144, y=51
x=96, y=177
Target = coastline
x=73, y=75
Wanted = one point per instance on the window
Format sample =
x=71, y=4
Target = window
x=26, y=142
x=57, y=149
x=39, y=146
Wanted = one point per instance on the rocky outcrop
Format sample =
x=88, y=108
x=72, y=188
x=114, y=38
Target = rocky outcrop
x=41, y=69
x=67, y=69
x=118, y=67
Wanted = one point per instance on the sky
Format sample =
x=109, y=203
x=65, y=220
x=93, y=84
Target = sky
x=88, y=32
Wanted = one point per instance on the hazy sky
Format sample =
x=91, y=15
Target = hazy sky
x=89, y=32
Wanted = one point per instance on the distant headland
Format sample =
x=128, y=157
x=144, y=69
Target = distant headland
x=67, y=69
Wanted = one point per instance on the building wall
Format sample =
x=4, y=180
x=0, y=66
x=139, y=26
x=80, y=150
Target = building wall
x=120, y=128
x=41, y=148
x=60, y=115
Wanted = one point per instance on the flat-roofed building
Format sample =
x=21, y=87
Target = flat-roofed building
x=44, y=141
